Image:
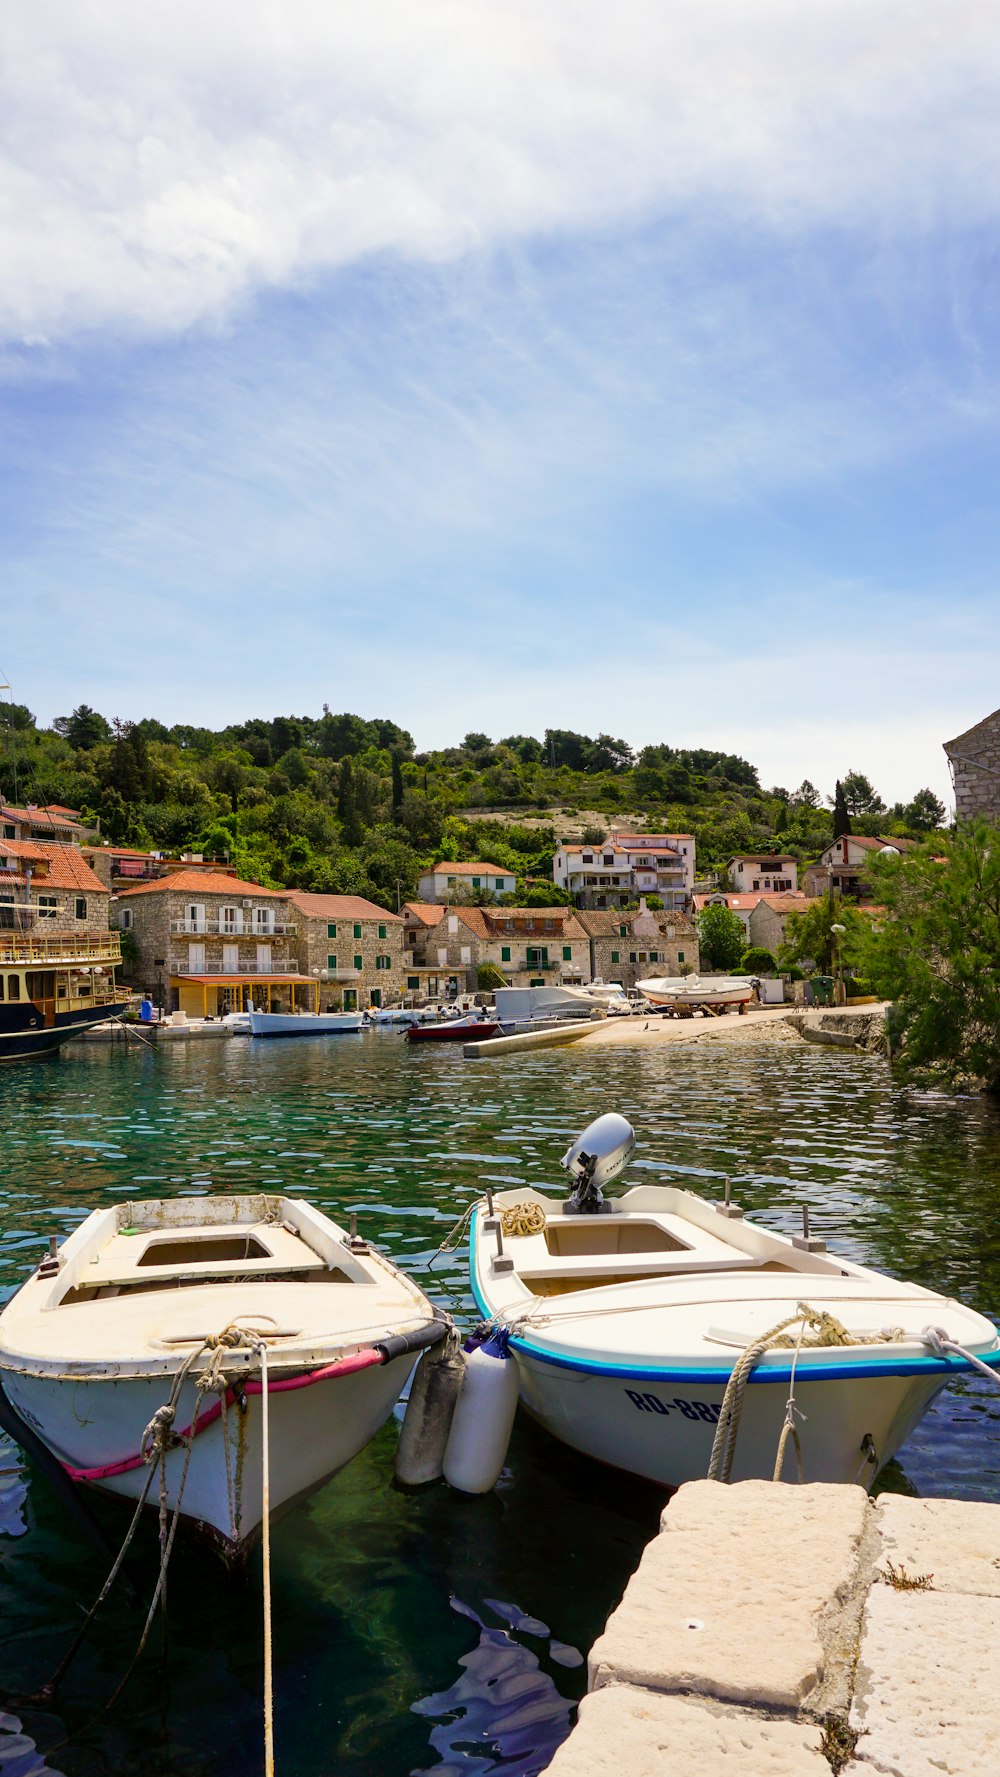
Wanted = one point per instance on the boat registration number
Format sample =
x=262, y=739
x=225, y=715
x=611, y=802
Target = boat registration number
x=651, y=1403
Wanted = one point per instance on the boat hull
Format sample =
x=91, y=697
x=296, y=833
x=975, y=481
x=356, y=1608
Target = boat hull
x=314, y=1433
x=476, y=1031
x=304, y=1024
x=663, y=1429
x=31, y=1037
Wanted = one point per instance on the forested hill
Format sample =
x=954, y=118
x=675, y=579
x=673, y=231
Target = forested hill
x=340, y=804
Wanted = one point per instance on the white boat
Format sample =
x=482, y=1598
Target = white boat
x=697, y=990
x=518, y=1008
x=170, y=1301
x=393, y=1015
x=628, y=1318
x=304, y=1024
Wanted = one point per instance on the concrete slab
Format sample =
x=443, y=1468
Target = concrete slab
x=956, y=1541
x=925, y=1698
x=730, y=1600
x=623, y=1729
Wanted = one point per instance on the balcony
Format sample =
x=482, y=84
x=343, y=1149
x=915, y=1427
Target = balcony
x=222, y=929
x=25, y=947
x=182, y=966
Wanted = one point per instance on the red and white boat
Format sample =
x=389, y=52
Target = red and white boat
x=454, y=1030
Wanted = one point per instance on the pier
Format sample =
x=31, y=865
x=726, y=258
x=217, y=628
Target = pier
x=773, y=1630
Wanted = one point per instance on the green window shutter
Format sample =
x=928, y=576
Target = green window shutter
x=331, y=962
x=654, y=956
x=475, y=882
x=623, y=931
x=357, y=929
x=381, y=931
x=632, y=956
x=412, y=981
x=615, y=957
x=357, y=962
x=680, y=956
x=505, y=953
x=331, y=930
x=567, y=953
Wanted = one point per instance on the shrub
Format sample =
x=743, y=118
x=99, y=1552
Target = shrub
x=757, y=961
x=857, y=987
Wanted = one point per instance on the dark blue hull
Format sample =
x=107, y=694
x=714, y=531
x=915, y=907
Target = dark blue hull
x=32, y=1037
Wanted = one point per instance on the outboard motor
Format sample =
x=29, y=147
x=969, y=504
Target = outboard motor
x=596, y=1157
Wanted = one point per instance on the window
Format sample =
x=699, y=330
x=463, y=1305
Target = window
x=680, y=956
x=331, y=930
x=47, y=906
x=381, y=931
x=588, y=857
x=505, y=953
x=13, y=987
x=331, y=962
x=413, y=981
x=623, y=931
x=357, y=931
x=609, y=860
x=615, y=956
x=81, y=907
x=632, y=957
x=654, y=956
x=567, y=953
x=476, y=882
x=358, y=962
x=125, y=919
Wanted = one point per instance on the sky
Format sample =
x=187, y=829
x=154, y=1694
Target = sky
x=497, y=365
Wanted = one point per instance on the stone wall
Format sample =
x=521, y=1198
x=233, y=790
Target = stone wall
x=64, y=922
x=376, y=938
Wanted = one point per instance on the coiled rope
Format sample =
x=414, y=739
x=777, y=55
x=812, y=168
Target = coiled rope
x=520, y=1219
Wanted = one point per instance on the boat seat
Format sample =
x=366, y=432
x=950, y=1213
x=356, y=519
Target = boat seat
x=642, y=1264
x=130, y=1259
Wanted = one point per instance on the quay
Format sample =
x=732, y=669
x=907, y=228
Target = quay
x=774, y=1630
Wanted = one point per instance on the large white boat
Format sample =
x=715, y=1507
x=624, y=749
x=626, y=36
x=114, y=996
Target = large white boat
x=518, y=1008
x=54, y=989
x=697, y=990
x=304, y=1024
x=628, y=1318
x=167, y=1304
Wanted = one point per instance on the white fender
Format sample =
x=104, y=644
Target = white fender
x=484, y=1417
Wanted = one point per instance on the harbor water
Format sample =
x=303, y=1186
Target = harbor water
x=432, y=1633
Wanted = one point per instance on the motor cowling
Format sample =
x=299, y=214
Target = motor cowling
x=595, y=1158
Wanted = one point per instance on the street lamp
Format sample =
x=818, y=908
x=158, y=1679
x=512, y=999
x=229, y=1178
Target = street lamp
x=839, y=994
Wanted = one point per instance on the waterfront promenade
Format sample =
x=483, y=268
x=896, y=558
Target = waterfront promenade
x=790, y=1631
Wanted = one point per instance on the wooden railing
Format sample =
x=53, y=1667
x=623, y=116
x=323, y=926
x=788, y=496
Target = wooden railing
x=26, y=947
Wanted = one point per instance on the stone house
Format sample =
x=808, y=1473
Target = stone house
x=842, y=869
x=741, y=905
x=210, y=944
x=50, y=889
x=353, y=947
x=531, y=946
x=119, y=866
x=628, y=947
x=445, y=882
x=974, y=759
x=763, y=872
x=769, y=918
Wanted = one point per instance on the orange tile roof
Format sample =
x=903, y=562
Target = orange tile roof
x=67, y=867
x=447, y=869
x=208, y=881
x=339, y=907
x=429, y=913
x=47, y=816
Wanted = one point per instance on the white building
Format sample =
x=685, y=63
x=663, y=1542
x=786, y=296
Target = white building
x=445, y=882
x=765, y=873
x=626, y=866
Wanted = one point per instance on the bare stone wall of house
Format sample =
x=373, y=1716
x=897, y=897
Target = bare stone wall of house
x=63, y=922
x=152, y=917
x=767, y=927
x=975, y=763
x=314, y=945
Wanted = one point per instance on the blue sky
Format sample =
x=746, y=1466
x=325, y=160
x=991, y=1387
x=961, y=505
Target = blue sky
x=501, y=366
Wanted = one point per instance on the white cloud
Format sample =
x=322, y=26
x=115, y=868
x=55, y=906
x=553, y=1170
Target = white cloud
x=160, y=163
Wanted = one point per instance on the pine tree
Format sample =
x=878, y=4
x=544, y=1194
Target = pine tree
x=841, y=818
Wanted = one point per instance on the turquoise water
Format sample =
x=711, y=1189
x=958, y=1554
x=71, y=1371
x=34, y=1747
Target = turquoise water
x=434, y=1633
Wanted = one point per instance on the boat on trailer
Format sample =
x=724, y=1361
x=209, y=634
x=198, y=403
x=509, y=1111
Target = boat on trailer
x=628, y=1318
x=680, y=991
x=140, y=1345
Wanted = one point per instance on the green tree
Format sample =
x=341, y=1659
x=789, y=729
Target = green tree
x=937, y=956
x=860, y=795
x=811, y=942
x=489, y=978
x=721, y=937
x=757, y=961
x=924, y=812
x=85, y=728
x=841, y=813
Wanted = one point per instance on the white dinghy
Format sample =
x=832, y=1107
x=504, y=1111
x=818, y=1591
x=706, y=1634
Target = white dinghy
x=629, y=1318
x=678, y=991
x=304, y=1024
x=167, y=1305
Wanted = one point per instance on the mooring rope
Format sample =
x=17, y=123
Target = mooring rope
x=266, y=1553
x=521, y=1219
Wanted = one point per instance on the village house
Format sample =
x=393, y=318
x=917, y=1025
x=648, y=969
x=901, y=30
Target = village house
x=119, y=866
x=768, y=920
x=53, y=823
x=974, y=758
x=741, y=905
x=445, y=882
x=842, y=869
x=764, y=872
x=210, y=944
x=625, y=866
x=530, y=946
x=353, y=947
x=626, y=947
x=54, y=919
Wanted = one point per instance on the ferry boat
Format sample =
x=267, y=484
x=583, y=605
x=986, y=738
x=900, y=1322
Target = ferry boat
x=52, y=989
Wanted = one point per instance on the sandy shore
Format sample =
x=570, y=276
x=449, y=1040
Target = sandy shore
x=768, y=1024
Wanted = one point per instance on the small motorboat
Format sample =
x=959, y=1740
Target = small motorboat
x=692, y=991
x=140, y=1344
x=628, y=1319
x=454, y=1030
x=304, y=1024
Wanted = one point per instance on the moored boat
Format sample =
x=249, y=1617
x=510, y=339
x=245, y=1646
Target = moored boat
x=140, y=1345
x=697, y=990
x=454, y=1030
x=628, y=1319
x=54, y=989
x=304, y=1024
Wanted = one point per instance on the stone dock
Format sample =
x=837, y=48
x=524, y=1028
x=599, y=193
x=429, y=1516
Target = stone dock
x=774, y=1630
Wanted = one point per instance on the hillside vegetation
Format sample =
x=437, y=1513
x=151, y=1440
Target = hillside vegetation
x=341, y=804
